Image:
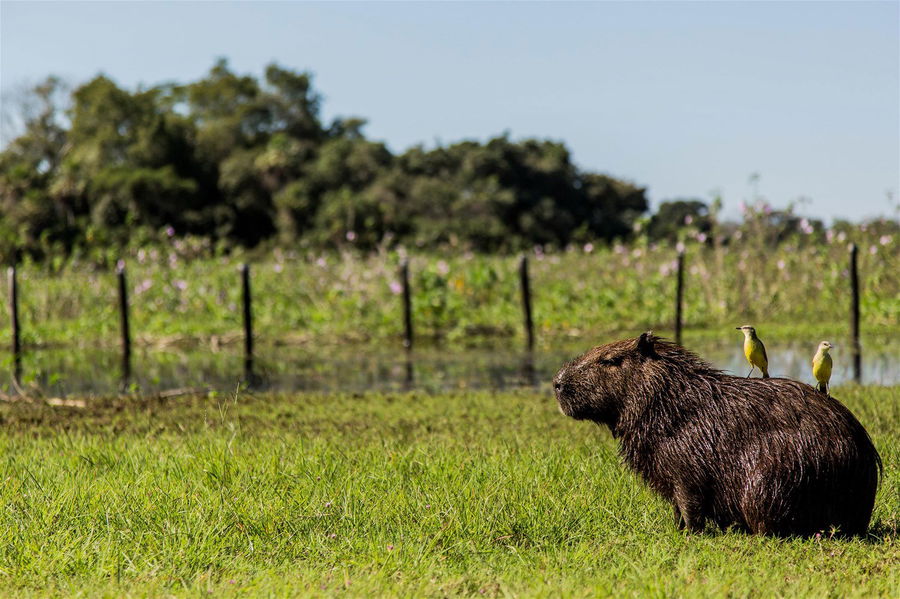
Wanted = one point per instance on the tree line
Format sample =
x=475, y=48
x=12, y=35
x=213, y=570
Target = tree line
x=235, y=160
x=243, y=160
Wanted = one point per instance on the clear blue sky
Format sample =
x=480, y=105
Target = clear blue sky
x=683, y=98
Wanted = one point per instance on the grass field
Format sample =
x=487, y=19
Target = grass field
x=468, y=494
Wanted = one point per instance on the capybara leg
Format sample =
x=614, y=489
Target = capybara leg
x=690, y=509
x=679, y=519
x=694, y=523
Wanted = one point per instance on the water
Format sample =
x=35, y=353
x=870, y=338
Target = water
x=349, y=369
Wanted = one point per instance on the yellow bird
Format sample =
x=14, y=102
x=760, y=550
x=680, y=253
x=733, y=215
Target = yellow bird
x=755, y=351
x=822, y=366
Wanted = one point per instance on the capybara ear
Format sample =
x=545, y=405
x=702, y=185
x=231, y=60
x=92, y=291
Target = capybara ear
x=645, y=344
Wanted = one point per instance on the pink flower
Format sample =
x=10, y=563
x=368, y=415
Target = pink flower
x=743, y=207
x=351, y=235
x=679, y=247
x=396, y=288
x=588, y=248
x=885, y=239
x=873, y=250
x=805, y=226
x=278, y=267
x=180, y=284
x=442, y=267
x=321, y=263
x=170, y=231
x=701, y=237
x=780, y=264
x=143, y=286
x=688, y=219
x=390, y=547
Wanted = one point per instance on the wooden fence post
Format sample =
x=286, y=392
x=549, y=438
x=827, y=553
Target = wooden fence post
x=14, y=320
x=123, y=320
x=407, y=305
x=525, y=286
x=855, y=346
x=409, y=371
x=248, y=323
x=679, y=297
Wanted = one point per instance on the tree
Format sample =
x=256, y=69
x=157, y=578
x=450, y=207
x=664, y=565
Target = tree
x=31, y=217
x=240, y=159
x=675, y=215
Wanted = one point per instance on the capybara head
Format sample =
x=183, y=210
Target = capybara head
x=598, y=384
x=591, y=386
x=770, y=456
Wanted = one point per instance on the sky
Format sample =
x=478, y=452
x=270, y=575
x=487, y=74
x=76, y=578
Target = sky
x=688, y=99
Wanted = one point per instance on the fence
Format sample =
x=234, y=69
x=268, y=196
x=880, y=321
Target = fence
x=525, y=292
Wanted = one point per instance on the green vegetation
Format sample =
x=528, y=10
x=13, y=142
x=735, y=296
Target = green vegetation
x=182, y=296
x=403, y=495
x=237, y=161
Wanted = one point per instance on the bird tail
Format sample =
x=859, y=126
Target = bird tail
x=822, y=387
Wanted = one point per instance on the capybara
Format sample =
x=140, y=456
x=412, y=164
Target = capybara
x=768, y=456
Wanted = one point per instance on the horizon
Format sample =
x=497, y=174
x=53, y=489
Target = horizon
x=811, y=113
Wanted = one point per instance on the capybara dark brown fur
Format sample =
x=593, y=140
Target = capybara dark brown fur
x=768, y=456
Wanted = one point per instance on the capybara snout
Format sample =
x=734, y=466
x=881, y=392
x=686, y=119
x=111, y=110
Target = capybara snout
x=770, y=456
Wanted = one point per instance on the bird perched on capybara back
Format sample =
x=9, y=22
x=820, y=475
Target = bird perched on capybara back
x=768, y=456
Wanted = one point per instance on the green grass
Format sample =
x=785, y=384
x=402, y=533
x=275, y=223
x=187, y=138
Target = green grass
x=469, y=494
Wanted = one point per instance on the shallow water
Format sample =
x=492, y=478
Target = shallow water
x=433, y=369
